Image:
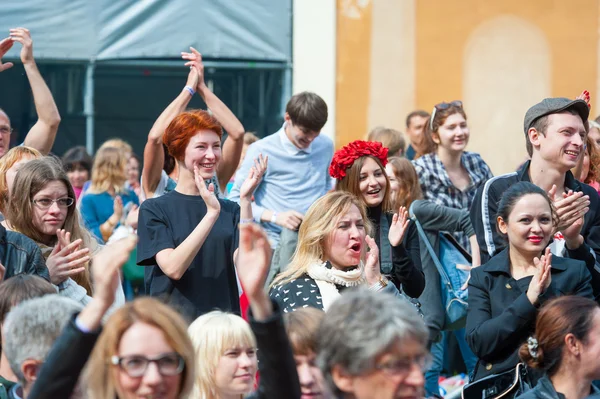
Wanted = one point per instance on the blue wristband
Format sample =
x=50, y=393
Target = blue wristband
x=190, y=90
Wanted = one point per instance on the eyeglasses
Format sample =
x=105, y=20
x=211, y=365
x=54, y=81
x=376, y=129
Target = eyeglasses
x=45, y=203
x=403, y=366
x=6, y=130
x=441, y=107
x=135, y=366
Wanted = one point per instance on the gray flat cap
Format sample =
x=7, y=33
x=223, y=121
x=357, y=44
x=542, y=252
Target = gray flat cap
x=553, y=106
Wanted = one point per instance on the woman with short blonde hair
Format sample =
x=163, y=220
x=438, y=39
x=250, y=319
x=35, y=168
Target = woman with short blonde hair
x=225, y=345
x=215, y=335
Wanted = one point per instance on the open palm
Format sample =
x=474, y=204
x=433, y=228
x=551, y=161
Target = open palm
x=254, y=259
x=398, y=227
x=254, y=177
x=207, y=193
x=5, y=45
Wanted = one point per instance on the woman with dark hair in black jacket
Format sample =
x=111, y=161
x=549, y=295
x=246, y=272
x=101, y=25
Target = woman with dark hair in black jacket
x=505, y=293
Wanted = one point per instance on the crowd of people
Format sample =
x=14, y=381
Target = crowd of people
x=220, y=265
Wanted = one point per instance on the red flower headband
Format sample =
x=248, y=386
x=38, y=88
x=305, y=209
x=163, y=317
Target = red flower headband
x=345, y=157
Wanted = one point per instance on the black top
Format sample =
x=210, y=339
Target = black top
x=277, y=367
x=500, y=317
x=485, y=207
x=406, y=270
x=299, y=293
x=303, y=292
x=210, y=282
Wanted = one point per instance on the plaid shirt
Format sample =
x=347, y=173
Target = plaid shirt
x=437, y=187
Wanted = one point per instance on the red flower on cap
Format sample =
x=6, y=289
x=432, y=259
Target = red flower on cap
x=345, y=156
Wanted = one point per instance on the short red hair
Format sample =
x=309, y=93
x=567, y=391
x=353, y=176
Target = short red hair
x=185, y=126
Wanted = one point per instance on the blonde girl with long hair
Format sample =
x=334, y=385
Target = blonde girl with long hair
x=105, y=203
x=331, y=255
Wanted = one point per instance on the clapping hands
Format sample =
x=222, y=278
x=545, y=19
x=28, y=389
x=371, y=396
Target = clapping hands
x=372, y=269
x=571, y=209
x=207, y=193
x=66, y=259
x=22, y=36
x=194, y=59
x=254, y=177
x=542, y=277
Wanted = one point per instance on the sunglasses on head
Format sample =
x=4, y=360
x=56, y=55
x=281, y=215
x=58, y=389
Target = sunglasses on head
x=441, y=107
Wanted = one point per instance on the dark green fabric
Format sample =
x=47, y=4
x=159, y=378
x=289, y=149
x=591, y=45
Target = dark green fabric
x=5, y=386
x=131, y=271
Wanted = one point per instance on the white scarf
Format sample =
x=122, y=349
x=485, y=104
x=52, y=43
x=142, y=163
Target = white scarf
x=326, y=279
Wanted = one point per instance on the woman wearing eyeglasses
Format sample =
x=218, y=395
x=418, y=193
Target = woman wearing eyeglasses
x=42, y=207
x=143, y=351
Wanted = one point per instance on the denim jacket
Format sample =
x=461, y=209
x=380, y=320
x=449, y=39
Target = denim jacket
x=435, y=218
x=19, y=254
x=545, y=390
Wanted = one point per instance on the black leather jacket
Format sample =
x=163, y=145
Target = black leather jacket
x=545, y=390
x=19, y=254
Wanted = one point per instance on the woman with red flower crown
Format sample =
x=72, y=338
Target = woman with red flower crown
x=359, y=168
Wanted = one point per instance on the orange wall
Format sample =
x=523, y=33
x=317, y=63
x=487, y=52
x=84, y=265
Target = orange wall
x=442, y=30
x=443, y=27
x=353, y=70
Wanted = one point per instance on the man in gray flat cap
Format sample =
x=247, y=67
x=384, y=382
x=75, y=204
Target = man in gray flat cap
x=555, y=133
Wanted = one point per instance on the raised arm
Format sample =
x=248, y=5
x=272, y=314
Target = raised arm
x=279, y=378
x=153, y=151
x=59, y=374
x=41, y=136
x=436, y=217
x=232, y=148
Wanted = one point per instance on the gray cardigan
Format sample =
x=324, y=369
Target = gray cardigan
x=435, y=218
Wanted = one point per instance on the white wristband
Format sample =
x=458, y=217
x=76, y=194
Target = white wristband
x=274, y=217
